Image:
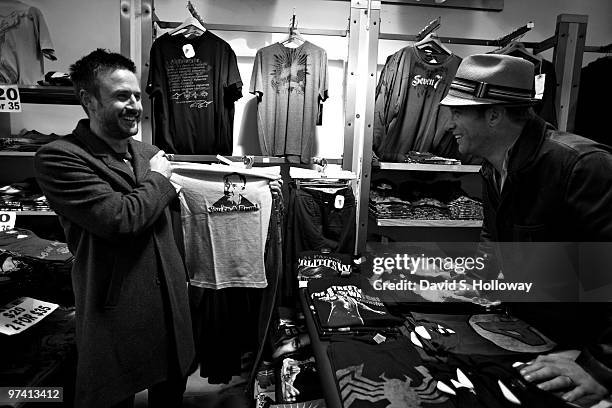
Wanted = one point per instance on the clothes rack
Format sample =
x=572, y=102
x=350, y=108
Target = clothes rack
x=568, y=43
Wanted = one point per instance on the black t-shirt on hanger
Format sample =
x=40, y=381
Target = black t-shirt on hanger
x=194, y=83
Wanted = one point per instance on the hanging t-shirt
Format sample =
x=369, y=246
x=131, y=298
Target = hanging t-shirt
x=592, y=110
x=24, y=40
x=225, y=212
x=194, y=83
x=406, y=112
x=289, y=83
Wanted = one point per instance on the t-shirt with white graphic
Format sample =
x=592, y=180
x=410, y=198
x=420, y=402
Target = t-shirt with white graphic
x=289, y=83
x=407, y=115
x=194, y=83
x=225, y=212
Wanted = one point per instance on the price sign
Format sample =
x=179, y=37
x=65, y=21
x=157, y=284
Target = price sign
x=7, y=220
x=9, y=98
x=22, y=314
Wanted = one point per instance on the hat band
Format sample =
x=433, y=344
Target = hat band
x=484, y=90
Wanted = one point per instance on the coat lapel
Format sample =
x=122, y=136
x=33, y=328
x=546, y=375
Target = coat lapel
x=140, y=162
x=98, y=148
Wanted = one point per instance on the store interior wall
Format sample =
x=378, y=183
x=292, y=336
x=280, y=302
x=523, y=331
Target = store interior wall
x=79, y=26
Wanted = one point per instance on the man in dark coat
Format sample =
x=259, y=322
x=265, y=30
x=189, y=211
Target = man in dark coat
x=112, y=193
x=540, y=186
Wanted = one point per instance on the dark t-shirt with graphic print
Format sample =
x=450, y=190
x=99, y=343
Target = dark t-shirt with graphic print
x=194, y=83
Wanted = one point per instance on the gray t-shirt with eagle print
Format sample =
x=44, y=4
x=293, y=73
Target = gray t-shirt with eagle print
x=289, y=83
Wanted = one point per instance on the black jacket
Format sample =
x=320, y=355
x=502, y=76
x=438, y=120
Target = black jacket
x=557, y=197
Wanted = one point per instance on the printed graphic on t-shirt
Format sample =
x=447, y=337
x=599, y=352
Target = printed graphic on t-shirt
x=314, y=265
x=189, y=81
x=290, y=70
x=346, y=304
x=510, y=333
x=234, y=185
x=427, y=78
x=400, y=394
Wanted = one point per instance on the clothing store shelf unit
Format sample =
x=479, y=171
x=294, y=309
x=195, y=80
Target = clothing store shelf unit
x=402, y=222
x=6, y=153
x=454, y=168
x=15, y=166
x=568, y=44
x=56, y=95
x=35, y=213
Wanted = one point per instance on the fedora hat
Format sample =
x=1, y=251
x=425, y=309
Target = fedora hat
x=486, y=79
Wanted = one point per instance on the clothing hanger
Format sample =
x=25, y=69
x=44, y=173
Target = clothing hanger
x=192, y=26
x=429, y=45
x=517, y=49
x=321, y=178
x=432, y=45
x=295, y=39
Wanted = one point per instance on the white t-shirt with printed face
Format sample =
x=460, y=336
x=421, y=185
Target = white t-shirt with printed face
x=225, y=212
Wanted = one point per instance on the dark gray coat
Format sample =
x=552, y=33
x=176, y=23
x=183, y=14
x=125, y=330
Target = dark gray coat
x=132, y=313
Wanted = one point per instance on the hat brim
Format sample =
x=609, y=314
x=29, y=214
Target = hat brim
x=460, y=99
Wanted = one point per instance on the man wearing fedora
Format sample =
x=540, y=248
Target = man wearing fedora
x=539, y=185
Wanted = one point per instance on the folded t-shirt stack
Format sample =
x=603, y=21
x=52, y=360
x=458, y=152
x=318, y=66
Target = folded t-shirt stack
x=347, y=304
x=32, y=266
x=26, y=141
x=317, y=265
x=23, y=196
x=441, y=200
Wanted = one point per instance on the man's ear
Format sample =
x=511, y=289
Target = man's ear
x=86, y=99
x=494, y=115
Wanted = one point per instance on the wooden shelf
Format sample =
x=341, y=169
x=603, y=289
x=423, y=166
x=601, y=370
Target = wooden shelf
x=402, y=222
x=36, y=213
x=60, y=95
x=453, y=168
x=16, y=154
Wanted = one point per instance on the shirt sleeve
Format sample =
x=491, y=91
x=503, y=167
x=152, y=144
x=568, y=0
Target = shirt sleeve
x=323, y=80
x=155, y=78
x=44, y=38
x=256, y=77
x=233, y=81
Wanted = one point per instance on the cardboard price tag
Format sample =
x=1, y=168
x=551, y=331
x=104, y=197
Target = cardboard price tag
x=23, y=313
x=9, y=98
x=7, y=220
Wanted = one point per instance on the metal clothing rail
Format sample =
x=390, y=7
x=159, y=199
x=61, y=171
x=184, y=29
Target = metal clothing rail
x=603, y=49
x=258, y=29
x=208, y=158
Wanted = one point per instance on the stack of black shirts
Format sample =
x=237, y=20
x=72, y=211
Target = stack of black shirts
x=347, y=305
x=23, y=196
x=466, y=208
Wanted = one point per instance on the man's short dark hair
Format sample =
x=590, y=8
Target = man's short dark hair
x=229, y=176
x=85, y=72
